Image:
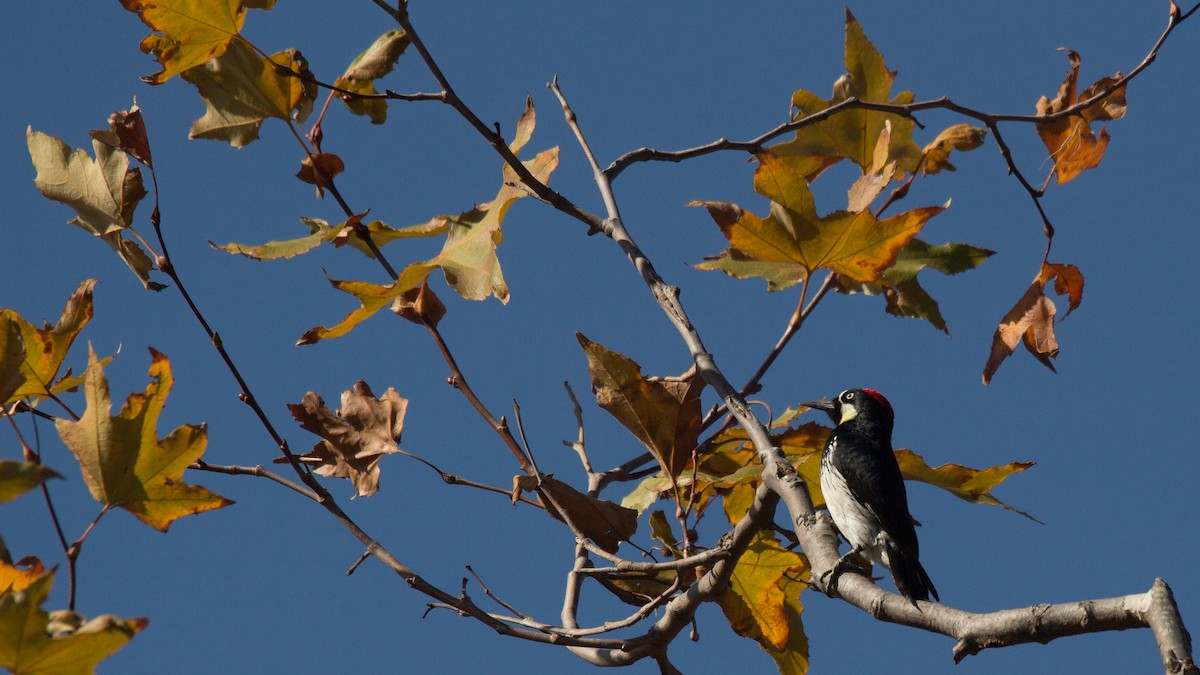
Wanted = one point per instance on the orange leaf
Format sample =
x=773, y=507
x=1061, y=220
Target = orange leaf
x=1031, y=320
x=1072, y=145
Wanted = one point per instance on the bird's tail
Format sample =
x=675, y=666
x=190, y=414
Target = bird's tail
x=911, y=579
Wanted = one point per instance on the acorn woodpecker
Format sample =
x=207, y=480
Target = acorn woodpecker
x=865, y=493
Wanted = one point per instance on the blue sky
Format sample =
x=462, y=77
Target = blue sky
x=259, y=587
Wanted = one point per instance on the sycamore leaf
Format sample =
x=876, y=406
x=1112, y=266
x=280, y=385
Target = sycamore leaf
x=17, y=478
x=12, y=357
x=660, y=531
x=127, y=132
x=241, y=89
x=27, y=646
x=124, y=463
x=321, y=231
x=853, y=134
x=899, y=285
x=663, y=413
x=46, y=348
x=187, y=32
x=793, y=241
x=374, y=63
x=1031, y=320
x=21, y=574
x=756, y=603
x=973, y=485
x=371, y=298
x=602, y=521
x=103, y=192
x=356, y=437
x=1073, y=147
x=935, y=157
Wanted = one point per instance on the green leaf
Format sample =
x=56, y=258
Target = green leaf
x=17, y=478
x=375, y=62
x=103, y=192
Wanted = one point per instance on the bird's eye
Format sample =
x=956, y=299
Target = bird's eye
x=848, y=396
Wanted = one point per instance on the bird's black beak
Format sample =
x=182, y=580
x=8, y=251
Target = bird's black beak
x=827, y=406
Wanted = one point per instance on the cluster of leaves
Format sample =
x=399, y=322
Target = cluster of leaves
x=125, y=464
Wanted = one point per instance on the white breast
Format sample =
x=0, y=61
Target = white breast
x=856, y=522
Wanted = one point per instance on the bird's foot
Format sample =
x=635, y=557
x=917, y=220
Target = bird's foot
x=830, y=578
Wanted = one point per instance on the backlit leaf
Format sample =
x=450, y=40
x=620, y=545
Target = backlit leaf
x=935, y=157
x=45, y=348
x=899, y=285
x=663, y=413
x=21, y=574
x=1073, y=147
x=187, y=32
x=241, y=89
x=1031, y=320
x=321, y=231
x=793, y=241
x=756, y=601
x=973, y=485
x=124, y=463
x=17, y=478
x=853, y=134
x=12, y=358
x=375, y=62
x=27, y=648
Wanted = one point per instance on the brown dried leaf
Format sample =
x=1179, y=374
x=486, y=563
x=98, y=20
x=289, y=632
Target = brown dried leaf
x=602, y=521
x=355, y=437
x=1031, y=320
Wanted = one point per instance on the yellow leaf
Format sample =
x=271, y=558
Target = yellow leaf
x=27, y=648
x=187, y=32
x=46, y=348
x=21, y=574
x=935, y=157
x=241, y=89
x=793, y=241
x=17, y=478
x=853, y=133
x=756, y=602
x=375, y=62
x=973, y=485
x=124, y=463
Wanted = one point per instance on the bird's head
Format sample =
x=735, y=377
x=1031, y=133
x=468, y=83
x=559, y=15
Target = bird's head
x=866, y=405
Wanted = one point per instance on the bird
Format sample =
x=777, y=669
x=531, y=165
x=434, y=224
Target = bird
x=865, y=493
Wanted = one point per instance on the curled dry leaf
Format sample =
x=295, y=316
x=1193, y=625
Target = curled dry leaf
x=1031, y=320
x=602, y=521
x=356, y=437
x=1073, y=147
x=420, y=305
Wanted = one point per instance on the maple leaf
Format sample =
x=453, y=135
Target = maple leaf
x=1073, y=146
x=12, y=358
x=123, y=461
x=44, y=349
x=28, y=647
x=375, y=62
x=1031, y=320
x=853, y=133
x=597, y=519
x=793, y=241
x=241, y=89
x=663, y=413
x=17, y=478
x=899, y=285
x=972, y=485
x=468, y=257
x=188, y=32
x=758, y=603
x=103, y=192
x=354, y=438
